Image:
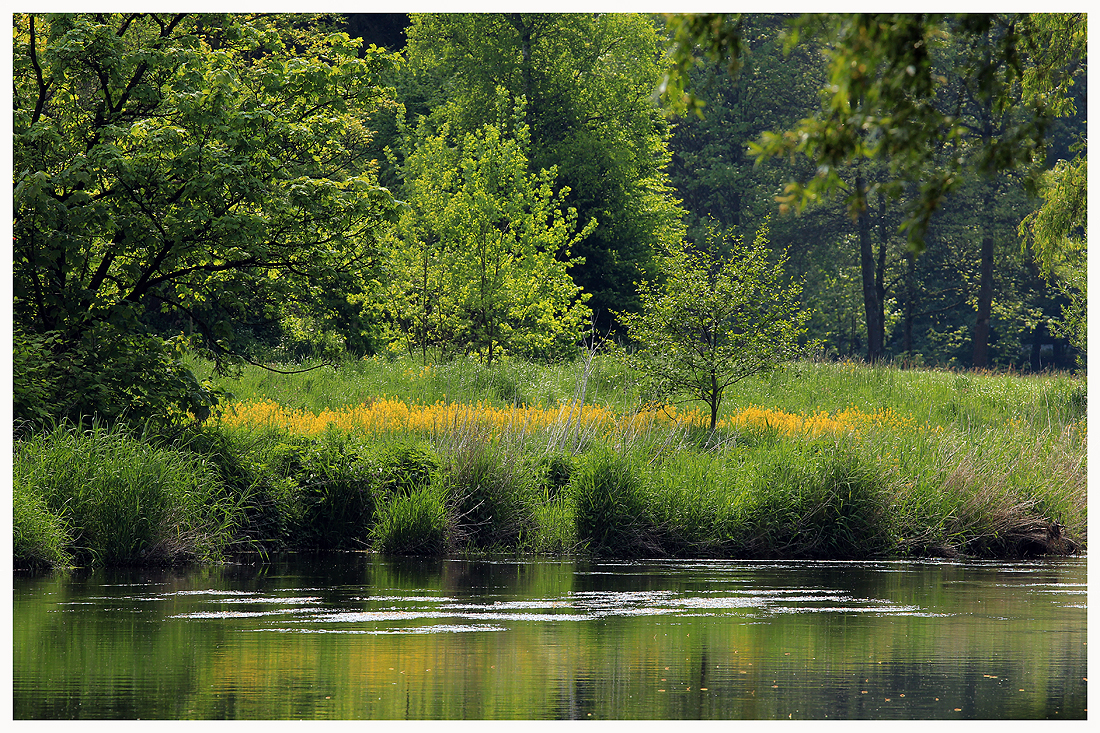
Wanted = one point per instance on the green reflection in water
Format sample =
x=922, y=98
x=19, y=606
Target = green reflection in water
x=352, y=636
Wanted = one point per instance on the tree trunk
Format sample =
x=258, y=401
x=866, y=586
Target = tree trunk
x=715, y=401
x=872, y=306
x=985, y=288
x=910, y=294
x=880, y=274
x=980, y=357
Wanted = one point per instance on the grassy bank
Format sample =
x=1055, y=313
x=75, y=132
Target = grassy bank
x=814, y=461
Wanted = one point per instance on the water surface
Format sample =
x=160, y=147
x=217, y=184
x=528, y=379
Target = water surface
x=355, y=636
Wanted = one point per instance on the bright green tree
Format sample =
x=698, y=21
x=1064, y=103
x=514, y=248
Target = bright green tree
x=1058, y=233
x=1058, y=230
x=588, y=82
x=484, y=261
x=719, y=314
x=208, y=166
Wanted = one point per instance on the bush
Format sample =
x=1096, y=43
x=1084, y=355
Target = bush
x=403, y=467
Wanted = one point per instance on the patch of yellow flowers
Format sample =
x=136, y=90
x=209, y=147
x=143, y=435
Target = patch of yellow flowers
x=387, y=415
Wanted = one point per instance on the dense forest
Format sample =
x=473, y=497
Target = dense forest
x=265, y=188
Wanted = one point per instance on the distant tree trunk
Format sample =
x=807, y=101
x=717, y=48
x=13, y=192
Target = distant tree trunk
x=880, y=275
x=980, y=357
x=985, y=288
x=872, y=305
x=910, y=294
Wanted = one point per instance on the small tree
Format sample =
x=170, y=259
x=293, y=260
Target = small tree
x=720, y=314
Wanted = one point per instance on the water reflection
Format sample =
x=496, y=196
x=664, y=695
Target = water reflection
x=350, y=636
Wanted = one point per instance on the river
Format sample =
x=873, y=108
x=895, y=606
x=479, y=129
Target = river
x=358, y=636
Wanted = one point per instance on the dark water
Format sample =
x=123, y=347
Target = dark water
x=353, y=636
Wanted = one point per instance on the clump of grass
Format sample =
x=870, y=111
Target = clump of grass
x=257, y=467
x=491, y=493
x=610, y=498
x=40, y=537
x=553, y=472
x=336, y=484
x=810, y=501
x=770, y=499
x=999, y=499
x=125, y=500
x=416, y=523
x=556, y=528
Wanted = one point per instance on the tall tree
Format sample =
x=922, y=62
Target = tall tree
x=588, y=82
x=711, y=169
x=880, y=99
x=1058, y=230
x=206, y=165
x=884, y=102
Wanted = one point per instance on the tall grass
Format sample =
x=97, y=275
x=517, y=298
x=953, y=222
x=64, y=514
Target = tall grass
x=124, y=500
x=40, y=537
x=816, y=460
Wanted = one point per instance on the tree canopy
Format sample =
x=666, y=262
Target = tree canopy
x=211, y=183
x=883, y=91
x=588, y=80
x=210, y=166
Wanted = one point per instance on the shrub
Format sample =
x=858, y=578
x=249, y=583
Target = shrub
x=403, y=467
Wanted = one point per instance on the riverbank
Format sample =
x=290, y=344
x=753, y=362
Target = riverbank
x=815, y=461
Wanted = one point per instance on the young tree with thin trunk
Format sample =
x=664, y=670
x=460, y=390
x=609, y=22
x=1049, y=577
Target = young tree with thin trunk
x=720, y=313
